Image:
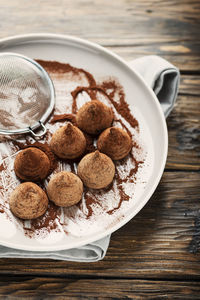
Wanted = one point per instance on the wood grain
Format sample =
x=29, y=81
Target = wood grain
x=183, y=126
x=162, y=241
x=60, y=288
x=116, y=27
x=184, y=134
x=157, y=254
x=189, y=85
x=129, y=28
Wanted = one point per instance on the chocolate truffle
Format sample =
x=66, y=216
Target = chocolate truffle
x=94, y=116
x=115, y=142
x=96, y=170
x=68, y=142
x=28, y=201
x=31, y=164
x=65, y=189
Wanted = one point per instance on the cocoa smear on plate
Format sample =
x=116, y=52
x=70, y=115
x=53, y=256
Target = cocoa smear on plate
x=1, y=167
x=108, y=88
x=121, y=107
x=47, y=221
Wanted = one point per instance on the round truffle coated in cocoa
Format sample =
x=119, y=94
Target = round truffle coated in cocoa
x=94, y=116
x=68, y=142
x=65, y=189
x=31, y=164
x=115, y=142
x=28, y=201
x=96, y=170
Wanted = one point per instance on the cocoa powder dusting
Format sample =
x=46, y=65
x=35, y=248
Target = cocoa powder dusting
x=123, y=195
x=2, y=167
x=90, y=200
x=121, y=107
x=136, y=165
x=107, y=88
x=63, y=118
x=46, y=222
x=56, y=67
x=43, y=147
x=123, y=126
x=89, y=143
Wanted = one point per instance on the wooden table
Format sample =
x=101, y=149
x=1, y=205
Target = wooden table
x=155, y=255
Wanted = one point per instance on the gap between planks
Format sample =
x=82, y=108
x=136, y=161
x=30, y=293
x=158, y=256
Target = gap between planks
x=95, y=277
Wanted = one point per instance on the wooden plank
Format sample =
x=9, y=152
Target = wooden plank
x=186, y=63
x=129, y=28
x=184, y=134
x=183, y=127
x=65, y=288
x=162, y=241
x=183, y=12
x=190, y=85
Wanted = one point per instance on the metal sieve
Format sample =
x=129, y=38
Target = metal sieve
x=27, y=95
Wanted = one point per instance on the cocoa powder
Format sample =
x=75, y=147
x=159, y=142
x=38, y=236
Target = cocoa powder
x=1, y=167
x=63, y=118
x=48, y=220
x=56, y=67
x=108, y=89
x=90, y=200
x=43, y=147
x=121, y=106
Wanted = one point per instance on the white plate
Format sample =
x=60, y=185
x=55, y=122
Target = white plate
x=145, y=106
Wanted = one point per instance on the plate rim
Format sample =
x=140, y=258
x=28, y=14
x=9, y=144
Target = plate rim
x=146, y=198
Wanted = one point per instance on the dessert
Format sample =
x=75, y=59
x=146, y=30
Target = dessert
x=115, y=142
x=31, y=164
x=68, y=142
x=94, y=116
x=96, y=170
x=97, y=207
x=28, y=201
x=65, y=189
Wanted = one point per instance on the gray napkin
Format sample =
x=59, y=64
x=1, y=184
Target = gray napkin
x=88, y=253
x=163, y=78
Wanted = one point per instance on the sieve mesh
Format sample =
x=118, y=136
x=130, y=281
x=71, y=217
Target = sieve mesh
x=25, y=93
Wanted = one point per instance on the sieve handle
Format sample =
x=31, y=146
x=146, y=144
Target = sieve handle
x=44, y=130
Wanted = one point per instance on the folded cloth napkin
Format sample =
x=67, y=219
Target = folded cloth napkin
x=88, y=253
x=163, y=78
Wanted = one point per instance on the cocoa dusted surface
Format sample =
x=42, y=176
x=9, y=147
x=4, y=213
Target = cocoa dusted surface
x=107, y=88
x=31, y=164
